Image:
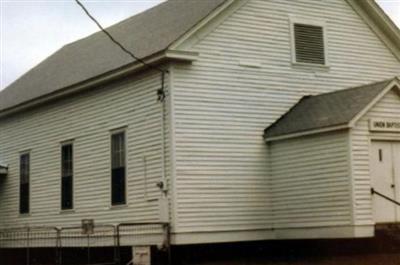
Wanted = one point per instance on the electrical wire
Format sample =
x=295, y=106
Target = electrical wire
x=133, y=56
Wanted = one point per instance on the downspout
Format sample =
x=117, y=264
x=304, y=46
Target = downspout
x=164, y=202
x=164, y=207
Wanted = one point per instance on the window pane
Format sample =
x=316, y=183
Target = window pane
x=118, y=178
x=24, y=184
x=67, y=160
x=67, y=185
x=118, y=150
x=118, y=186
x=67, y=177
x=24, y=198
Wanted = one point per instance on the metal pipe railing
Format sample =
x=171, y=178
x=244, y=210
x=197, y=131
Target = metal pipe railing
x=373, y=191
x=29, y=237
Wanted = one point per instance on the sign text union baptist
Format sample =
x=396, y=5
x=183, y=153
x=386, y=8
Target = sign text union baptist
x=384, y=125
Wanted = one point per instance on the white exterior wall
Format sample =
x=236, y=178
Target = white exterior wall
x=387, y=108
x=310, y=183
x=222, y=106
x=87, y=119
x=243, y=81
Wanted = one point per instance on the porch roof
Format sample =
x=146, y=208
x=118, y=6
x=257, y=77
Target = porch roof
x=327, y=110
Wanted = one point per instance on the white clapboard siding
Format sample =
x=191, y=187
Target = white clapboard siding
x=221, y=107
x=86, y=118
x=310, y=182
x=387, y=108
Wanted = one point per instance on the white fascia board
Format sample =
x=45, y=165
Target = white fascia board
x=306, y=133
x=205, y=21
x=187, y=56
x=165, y=56
x=379, y=22
x=207, y=25
x=395, y=83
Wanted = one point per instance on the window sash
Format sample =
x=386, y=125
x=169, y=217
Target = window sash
x=67, y=193
x=24, y=191
x=118, y=150
x=118, y=169
x=118, y=189
x=67, y=177
x=67, y=160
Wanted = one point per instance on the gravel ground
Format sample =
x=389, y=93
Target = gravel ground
x=381, y=250
x=367, y=259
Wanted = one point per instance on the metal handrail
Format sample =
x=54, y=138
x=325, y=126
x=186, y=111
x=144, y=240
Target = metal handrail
x=373, y=191
x=57, y=234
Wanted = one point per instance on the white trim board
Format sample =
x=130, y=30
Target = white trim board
x=169, y=55
x=332, y=232
x=379, y=23
x=395, y=84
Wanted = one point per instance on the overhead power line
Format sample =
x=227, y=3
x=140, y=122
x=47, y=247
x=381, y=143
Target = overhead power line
x=131, y=54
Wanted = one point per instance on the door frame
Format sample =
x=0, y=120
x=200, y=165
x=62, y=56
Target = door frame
x=380, y=138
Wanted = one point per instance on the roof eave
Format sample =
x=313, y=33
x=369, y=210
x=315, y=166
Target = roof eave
x=395, y=83
x=184, y=40
x=158, y=58
x=339, y=127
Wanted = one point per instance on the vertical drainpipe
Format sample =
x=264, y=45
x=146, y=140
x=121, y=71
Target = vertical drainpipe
x=163, y=202
x=164, y=207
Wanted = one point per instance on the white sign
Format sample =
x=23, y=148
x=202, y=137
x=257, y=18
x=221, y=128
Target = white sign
x=384, y=125
x=141, y=255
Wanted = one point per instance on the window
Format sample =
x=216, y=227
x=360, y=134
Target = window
x=118, y=179
x=309, y=42
x=67, y=177
x=24, y=184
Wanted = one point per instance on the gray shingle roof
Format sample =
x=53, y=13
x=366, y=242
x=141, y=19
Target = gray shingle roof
x=144, y=34
x=325, y=110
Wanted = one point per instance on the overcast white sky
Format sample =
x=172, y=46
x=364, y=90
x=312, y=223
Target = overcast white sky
x=31, y=30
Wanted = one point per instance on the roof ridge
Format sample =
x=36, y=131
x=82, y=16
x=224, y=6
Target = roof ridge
x=145, y=34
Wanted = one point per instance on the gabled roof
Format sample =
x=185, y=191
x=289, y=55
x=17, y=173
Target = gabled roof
x=150, y=33
x=327, y=110
x=144, y=34
x=379, y=22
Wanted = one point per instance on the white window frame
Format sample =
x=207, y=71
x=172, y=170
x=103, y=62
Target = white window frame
x=312, y=22
x=68, y=142
x=123, y=129
x=26, y=152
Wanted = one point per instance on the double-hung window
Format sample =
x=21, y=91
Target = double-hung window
x=118, y=169
x=24, y=187
x=67, y=181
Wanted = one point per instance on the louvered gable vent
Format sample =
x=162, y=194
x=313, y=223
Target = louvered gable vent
x=309, y=44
